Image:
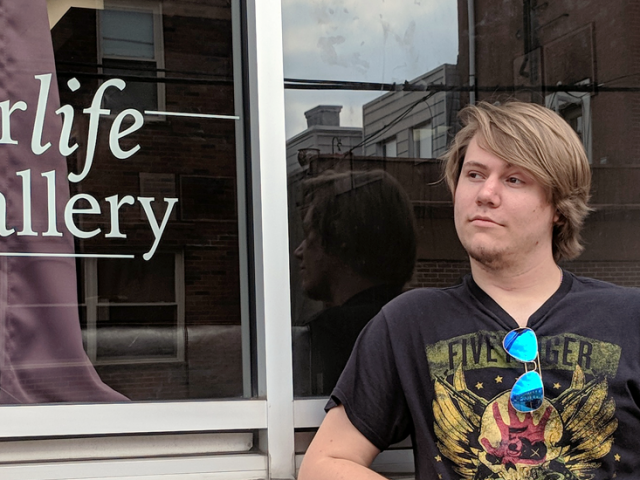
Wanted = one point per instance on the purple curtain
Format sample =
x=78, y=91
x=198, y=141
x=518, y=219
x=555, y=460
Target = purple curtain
x=42, y=358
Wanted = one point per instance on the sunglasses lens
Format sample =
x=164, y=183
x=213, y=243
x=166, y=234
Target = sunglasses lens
x=521, y=344
x=527, y=393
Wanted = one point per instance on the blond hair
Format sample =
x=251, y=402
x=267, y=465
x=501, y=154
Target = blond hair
x=538, y=140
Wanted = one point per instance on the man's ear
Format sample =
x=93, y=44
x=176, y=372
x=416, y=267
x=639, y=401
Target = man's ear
x=558, y=219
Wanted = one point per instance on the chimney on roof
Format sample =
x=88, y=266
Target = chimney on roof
x=328, y=115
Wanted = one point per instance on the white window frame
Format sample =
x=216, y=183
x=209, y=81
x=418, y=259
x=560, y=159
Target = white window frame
x=384, y=147
x=153, y=7
x=559, y=100
x=415, y=153
x=92, y=304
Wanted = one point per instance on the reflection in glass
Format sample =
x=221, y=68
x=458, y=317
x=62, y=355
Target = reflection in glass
x=149, y=308
x=357, y=253
x=405, y=112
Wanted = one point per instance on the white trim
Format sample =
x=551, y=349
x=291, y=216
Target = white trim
x=124, y=418
x=268, y=151
x=192, y=115
x=309, y=413
x=234, y=467
x=124, y=446
x=556, y=101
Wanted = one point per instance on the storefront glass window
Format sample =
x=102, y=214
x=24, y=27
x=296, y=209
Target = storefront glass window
x=123, y=170
x=364, y=197
x=381, y=91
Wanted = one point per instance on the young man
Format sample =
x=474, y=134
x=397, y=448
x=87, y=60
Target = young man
x=358, y=252
x=434, y=363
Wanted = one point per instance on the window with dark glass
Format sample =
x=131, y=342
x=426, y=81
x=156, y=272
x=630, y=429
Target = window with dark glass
x=402, y=95
x=131, y=46
x=122, y=276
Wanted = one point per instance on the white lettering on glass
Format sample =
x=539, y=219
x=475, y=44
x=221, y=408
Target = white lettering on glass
x=115, y=218
x=26, y=203
x=74, y=207
x=157, y=229
x=51, y=205
x=6, y=110
x=115, y=134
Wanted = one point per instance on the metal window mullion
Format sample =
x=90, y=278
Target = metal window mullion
x=241, y=197
x=269, y=184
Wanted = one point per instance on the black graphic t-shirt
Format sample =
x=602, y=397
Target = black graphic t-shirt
x=431, y=365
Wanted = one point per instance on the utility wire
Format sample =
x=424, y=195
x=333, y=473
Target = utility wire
x=393, y=122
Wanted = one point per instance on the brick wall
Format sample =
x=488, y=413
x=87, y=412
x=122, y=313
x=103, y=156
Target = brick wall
x=621, y=273
x=438, y=273
x=444, y=273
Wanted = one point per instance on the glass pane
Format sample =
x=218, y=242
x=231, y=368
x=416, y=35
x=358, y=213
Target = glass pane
x=142, y=332
x=127, y=34
x=141, y=92
x=422, y=144
x=375, y=86
x=363, y=60
x=359, y=74
x=136, y=280
x=121, y=280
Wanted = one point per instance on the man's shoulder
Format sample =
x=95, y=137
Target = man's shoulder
x=425, y=301
x=600, y=290
x=595, y=285
x=423, y=294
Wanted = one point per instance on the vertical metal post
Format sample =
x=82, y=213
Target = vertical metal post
x=269, y=188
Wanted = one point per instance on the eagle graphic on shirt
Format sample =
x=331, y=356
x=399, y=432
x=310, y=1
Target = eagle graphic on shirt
x=489, y=439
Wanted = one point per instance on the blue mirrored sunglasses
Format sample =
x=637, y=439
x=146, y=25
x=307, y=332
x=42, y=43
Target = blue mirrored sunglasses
x=527, y=393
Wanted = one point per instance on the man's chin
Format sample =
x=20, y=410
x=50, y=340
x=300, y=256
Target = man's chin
x=489, y=258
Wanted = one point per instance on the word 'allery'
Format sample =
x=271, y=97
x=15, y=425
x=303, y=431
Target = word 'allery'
x=72, y=208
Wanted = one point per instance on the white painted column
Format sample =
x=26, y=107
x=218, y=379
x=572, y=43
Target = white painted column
x=270, y=221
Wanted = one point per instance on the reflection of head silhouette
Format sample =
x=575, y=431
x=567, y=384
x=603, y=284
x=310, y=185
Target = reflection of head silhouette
x=365, y=221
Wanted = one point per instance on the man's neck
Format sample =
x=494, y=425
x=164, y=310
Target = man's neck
x=520, y=290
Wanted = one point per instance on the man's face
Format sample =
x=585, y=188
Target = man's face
x=315, y=263
x=502, y=214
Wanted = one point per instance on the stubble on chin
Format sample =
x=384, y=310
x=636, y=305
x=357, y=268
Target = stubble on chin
x=490, y=259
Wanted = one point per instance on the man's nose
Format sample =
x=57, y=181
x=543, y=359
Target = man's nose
x=298, y=251
x=489, y=193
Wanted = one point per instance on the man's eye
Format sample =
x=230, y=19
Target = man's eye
x=514, y=180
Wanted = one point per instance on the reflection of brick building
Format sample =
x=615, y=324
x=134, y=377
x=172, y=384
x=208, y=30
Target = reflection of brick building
x=594, y=49
x=190, y=328
x=413, y=124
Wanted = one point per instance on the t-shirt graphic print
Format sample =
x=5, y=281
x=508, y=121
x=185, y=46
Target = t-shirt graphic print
x=484, y=437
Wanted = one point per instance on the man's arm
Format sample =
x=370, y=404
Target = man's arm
x=339, y=451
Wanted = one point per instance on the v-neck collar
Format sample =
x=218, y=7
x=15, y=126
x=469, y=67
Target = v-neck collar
x=506, y=319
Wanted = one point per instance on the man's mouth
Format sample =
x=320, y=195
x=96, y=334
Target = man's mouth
x=479, y=220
